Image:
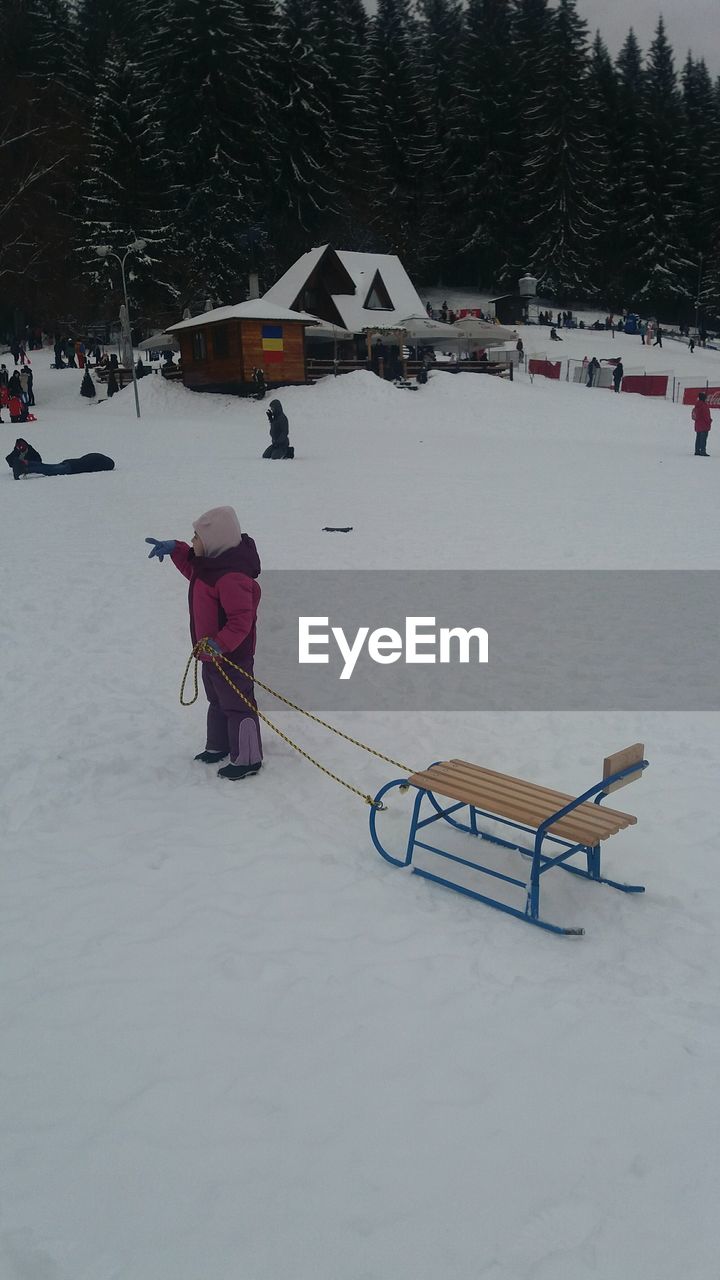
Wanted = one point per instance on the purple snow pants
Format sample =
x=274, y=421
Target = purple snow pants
x=231, y=725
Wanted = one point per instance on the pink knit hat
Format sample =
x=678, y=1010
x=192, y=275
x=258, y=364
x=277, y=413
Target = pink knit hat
x=218, y=529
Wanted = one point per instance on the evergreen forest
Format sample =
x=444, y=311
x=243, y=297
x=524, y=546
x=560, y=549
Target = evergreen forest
x=477, y=140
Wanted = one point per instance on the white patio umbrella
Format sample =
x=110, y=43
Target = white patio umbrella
x=326, y=331
x=159, y=342
x=481, y=333
x=421, y=331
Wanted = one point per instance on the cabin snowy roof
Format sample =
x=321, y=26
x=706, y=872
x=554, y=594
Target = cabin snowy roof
x=254, y=309
x=370, y=276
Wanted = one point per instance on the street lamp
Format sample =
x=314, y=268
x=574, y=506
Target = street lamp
x=104, y=251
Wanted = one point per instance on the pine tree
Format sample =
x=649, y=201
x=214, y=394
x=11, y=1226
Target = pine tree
x=119, y=197
x=626, y=158
x=35, y=144
x=398, y=143
x=603, y=100
x=340, y=35
x=439, y=43
x=661, y=209
x=204, y=59
x=702, y=120
x=306, y=148
x=488, y=143
x=564, y=173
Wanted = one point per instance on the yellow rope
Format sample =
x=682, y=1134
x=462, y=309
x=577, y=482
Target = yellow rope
x=201, y=647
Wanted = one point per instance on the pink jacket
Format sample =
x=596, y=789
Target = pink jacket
x=223, y=595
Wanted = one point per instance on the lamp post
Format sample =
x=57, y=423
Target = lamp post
x=104, y=251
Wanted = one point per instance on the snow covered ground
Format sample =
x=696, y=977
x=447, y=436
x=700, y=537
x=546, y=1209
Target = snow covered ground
x=235, y=1043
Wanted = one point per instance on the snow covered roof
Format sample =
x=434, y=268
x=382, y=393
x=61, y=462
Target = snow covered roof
x=381, y=274
x=254, y=309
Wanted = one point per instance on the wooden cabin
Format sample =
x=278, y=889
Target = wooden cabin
x=221, y=349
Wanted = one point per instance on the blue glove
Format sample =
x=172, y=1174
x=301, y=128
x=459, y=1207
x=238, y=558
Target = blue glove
x=212, y=646
x=161, y=549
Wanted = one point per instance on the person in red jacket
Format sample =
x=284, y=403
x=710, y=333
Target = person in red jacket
x=703, y=423
x=222, y=566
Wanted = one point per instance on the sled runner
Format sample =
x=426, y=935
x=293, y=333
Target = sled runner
x=556, y=827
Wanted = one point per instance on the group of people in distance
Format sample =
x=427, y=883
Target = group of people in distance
x=16, y=393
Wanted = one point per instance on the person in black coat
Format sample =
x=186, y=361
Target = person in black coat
x=21, y=456
x=68, y=467
x=258, y=377
x=280, y=446
x=618, y=375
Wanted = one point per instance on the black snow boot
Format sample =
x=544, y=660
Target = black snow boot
x=234, y=772
x=211, y=757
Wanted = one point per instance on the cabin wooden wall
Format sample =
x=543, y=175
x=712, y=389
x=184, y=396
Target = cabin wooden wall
x=245, y=353
x=291, y=366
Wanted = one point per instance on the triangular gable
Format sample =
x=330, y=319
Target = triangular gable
x=312, y=283
x=378, y=298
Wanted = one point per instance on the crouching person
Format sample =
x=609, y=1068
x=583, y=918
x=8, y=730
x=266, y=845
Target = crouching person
x=222, y=565
x=280, y=446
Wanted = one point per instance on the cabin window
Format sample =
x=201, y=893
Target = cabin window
x=199, y=345
x=378, y=298
x=221, y=342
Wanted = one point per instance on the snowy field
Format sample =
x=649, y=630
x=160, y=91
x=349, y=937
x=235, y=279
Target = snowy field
x=236, y=1044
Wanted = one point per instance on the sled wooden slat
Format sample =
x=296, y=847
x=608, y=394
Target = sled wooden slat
x=520, y=801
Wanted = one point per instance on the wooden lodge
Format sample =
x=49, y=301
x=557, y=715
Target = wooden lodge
x=221, y=349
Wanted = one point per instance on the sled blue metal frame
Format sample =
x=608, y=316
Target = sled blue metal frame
x=542, y=861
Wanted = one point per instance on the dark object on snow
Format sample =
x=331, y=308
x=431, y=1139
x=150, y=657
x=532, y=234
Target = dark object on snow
x=211, y=757
x=112, y=385
x=280, y=446
x=22, y=455
x=71, y=466
x=88, y=386
x=332, y=528
x=258, y=378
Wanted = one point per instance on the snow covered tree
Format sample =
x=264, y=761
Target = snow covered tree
x=205, y=60
x=306, y=147
x=438, y=42
x=702, y=122
x=120, y=196
x=398, y=143
x=340, y=35
x=36, y=143
x=661, y=209
x=566, y=168
x=486, y=138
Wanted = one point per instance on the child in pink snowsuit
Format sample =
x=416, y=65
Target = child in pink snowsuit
x=222, y=566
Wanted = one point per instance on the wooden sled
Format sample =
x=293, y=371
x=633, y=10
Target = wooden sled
x=556, y=827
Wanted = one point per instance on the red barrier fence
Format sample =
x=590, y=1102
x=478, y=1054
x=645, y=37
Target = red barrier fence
x=545, y=368
x=647, y=384
x=690, y=394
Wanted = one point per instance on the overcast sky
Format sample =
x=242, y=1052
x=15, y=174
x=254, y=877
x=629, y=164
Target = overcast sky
x=691, y=24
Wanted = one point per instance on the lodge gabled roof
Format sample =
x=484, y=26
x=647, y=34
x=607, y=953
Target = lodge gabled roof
x=362, y=289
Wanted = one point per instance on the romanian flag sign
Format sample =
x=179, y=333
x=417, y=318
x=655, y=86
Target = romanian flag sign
x=272, y=343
